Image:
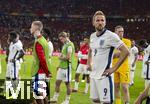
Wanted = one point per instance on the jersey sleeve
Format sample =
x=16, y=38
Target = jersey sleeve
x=69, y=49
x=149, y=49
x=51, y=48
x=41, y=57
x=19, y=46
x=115, y=41
x=136, y=51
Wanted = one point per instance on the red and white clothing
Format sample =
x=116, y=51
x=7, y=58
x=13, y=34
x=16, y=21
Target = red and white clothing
x=43, y=68
x=43, y=73
x=83, y=55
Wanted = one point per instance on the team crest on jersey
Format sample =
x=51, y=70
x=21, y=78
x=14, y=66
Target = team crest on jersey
x=102, y=42
x=92, y=40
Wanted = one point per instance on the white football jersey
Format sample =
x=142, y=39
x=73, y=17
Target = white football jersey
x=146, y=68
x=133, y=51
x=14, y=49
x=102, y=51
x=51, y=48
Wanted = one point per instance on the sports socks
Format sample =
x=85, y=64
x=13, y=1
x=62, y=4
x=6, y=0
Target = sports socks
x=76, y=85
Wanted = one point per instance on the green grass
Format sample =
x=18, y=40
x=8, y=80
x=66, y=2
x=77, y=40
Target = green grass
x=76, y=98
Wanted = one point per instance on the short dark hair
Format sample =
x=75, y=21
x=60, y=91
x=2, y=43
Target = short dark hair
x=142, y=42
x=86, y=39
x=46, y=32
x=14, y=34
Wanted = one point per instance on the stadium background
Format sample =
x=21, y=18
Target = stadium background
x=73, y=16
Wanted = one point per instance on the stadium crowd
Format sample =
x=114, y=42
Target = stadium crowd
x=78, y=29
x=71, y=16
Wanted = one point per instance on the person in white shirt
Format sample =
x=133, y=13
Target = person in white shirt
x=51, y=48
x=146, y=61
x=13, y=57
x=145, y=94
x=16, y=52
x=102, y=44
x=46, y=34
x=132, y=61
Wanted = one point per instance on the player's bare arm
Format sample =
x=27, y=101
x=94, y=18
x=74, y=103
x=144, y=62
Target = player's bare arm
x=21, y=54
x=7, y=53
x=148, y=61
x=116, y=55
x=136, y=58
x=124, y=52
x=65, y=58
x=143, y=95
x=89, y=59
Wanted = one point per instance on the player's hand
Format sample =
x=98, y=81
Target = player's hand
x=49, y=75
x=147, y=62
x=133, y=64
x=60, y=57
x=89, y=67
x=108, y=72
x=138, y=101
x=6, y=59
x=57, y=68
x=12, y=60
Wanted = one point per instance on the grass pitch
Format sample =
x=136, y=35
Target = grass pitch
x=76, y=98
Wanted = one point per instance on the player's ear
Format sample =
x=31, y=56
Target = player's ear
x=92, y=21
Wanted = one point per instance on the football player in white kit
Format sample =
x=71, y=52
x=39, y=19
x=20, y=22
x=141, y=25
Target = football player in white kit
x=132, y=61
x=146, y=61
x=145, y=73
x=102, y=44
x=15, y=53
x=46, y=33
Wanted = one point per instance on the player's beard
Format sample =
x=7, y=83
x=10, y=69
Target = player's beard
x=99, y=28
